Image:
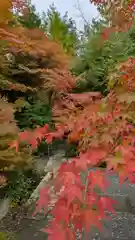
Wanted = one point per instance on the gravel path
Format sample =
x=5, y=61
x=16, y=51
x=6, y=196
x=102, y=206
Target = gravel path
x=120, y=227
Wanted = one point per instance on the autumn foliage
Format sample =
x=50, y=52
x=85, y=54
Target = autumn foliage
x=119, y=13
x=27, y=61
x=10, y=159
x=30, y=64
x=104, y=131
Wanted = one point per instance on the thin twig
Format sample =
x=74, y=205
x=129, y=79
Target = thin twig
x=81, y=13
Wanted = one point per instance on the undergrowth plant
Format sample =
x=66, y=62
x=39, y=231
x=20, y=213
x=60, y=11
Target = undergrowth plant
x=7, y=235
x=20, y=186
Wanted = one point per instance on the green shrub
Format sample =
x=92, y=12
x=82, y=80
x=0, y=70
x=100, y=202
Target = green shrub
x=7, y=236
x=20, y=186
x=71, y=150
x=35, y=113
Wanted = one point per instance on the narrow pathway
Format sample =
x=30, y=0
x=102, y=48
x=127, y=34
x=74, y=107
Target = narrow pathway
x=120, y=227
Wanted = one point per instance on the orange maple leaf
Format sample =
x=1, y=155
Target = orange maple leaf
x=14, y=144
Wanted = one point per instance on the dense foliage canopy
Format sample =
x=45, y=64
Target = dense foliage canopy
x=30, y=65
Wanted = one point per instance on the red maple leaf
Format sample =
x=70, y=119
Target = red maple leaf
x=93, y=156
x=78, y=223
x=69, y=178
x=40, y=132
x=91, y=198
x=97, y=178
x=43, y=201
x=81, y=163
x=56, y=231
x=90, y=218
x=106, y=203
x=33, y=137
x=24, y=136
x=72, y=193
x=58, y=134
x=61, y=213
x=49, y=137
x=68, y=167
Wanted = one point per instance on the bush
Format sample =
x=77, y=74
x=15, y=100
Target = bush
x=20, y=186
x=35, y=113
x=7, y=236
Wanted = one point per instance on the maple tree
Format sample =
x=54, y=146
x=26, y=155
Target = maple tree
x=30, y=65
x=30, y=62
x=103, y=129
x=27, y=60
